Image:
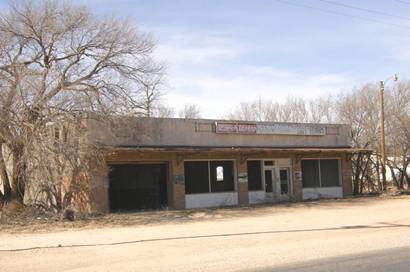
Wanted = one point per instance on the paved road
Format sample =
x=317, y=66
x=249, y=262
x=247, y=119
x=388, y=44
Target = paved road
x=357, y=235
x=397, y=260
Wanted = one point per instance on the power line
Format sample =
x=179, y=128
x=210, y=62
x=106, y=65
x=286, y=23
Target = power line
x=365, y=9
x=403, y=2
x=342, y=14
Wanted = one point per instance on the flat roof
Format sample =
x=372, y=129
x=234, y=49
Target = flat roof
x=235, y=121
x=241, y=148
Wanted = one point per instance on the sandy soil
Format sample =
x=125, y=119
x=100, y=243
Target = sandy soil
x=211, y=240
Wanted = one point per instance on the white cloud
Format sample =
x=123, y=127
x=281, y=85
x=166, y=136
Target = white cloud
x=195, y=48
x=207, y=69
x=217, y=95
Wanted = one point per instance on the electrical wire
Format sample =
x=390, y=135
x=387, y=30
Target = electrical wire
x=403, y=2
x=342, y=14
x=365, y=9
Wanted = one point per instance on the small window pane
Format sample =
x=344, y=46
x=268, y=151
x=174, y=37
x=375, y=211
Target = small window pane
x=310, y=173
x=254, y=175
x=329, y=173
x=269, y=163
x=219, y=173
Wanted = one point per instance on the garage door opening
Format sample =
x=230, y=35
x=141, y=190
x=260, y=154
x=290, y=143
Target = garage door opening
x=137, y=187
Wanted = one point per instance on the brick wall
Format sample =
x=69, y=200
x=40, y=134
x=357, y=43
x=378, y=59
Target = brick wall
x=176, y=198
x=297, y=178
x=242, y=181
x=347, y=176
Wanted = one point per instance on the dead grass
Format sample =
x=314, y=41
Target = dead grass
x=33, y=220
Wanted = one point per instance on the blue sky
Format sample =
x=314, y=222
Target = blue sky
x=220, y=53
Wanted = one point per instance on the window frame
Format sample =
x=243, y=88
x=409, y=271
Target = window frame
x=234, y=170
x=339, y=165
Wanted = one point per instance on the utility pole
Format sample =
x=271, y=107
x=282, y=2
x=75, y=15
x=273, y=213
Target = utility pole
x=383, y=139
x=382, y=136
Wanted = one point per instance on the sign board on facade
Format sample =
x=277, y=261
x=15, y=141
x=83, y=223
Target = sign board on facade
x=269, y=128
x=232, y=127
x=290, y=129
x=242, y=177
x=179, y=179
x=298, y=175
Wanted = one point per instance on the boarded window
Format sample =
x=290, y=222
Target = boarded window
x=196, y=177
x=329, y=173
x=320, y=173
x=254, y=176
x=227, y=183
x=310, y=173
x=137, y=186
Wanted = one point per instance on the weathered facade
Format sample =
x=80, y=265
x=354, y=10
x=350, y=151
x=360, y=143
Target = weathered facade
x=185, y=163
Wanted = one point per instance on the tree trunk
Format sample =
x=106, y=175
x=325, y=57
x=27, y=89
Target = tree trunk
x=365, y=175
x=18, y=182
x=393, y=175
x=379, y=184
x=356, y=180
x=6, y=195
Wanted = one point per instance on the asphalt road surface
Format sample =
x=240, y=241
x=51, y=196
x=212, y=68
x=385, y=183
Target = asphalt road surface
x=395, y=260
x=349, y=235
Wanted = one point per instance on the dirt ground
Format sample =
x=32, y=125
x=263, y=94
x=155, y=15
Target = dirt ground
x=231, y=239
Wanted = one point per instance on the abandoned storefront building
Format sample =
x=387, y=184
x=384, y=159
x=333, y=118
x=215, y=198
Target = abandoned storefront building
x=187, y=163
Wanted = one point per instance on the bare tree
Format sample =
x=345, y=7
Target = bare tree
x=357, y=109
x=257, y=110
x=164, y=111
x=56, y=62
x=321, y=110
x=398, y=131
x=190, y=111
x=292, y=110
x=150, y=95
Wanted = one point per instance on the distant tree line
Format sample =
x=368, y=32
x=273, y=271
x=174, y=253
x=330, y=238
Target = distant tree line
x=359, y=108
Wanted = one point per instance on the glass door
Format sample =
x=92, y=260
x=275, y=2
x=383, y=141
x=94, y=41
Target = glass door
x=268, y=180
x=284, y=180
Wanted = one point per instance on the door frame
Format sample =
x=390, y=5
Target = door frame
x=275, y=168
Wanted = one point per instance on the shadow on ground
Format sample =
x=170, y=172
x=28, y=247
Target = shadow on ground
x=397, y=260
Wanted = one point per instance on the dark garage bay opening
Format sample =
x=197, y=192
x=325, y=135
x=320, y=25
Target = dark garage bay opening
x=137, y=186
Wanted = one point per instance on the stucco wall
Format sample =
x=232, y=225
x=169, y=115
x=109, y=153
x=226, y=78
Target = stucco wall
x=176, y=187
x=188, y=132
x=324, y=192
x=211, y=200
